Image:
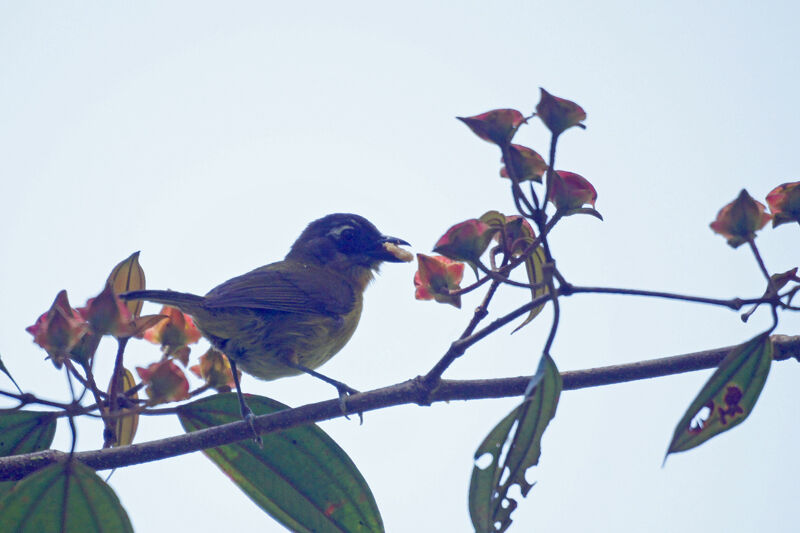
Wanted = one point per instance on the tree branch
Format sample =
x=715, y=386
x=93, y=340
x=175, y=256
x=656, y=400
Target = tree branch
x=412, y=391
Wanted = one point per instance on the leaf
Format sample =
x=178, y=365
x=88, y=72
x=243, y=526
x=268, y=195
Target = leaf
x=26, y=432
x=5, y=371
x=64, y=497
x=523, y=236
x=126, y=426
x=489, y=503
x=301, y=477
x=493, y=218
x=129, y=276
x=533, y=267
x=5, y=488
x=728, y=396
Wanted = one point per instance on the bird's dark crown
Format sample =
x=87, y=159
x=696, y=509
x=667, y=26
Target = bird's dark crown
x=341, y=234
x=350, y=233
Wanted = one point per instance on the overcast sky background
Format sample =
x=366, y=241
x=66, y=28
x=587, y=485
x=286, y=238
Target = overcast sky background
x=207, y=135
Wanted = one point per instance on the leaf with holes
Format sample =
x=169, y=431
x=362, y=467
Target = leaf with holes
x=728, y=396
x=26, y=432
x=66, y=497
x=301, y=477
x=490, y=507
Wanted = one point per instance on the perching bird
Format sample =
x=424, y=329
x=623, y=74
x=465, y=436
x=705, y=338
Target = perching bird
x=290, y=317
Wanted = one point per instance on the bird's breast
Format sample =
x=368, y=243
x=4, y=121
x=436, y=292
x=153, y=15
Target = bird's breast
x=262, y=342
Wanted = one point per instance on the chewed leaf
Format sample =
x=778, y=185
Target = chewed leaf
x=490, y=507
x=728, y=396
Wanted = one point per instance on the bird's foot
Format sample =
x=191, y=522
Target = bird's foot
x=344, y=392
x=250, y=418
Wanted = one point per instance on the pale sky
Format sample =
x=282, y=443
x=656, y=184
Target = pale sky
x=207, y=135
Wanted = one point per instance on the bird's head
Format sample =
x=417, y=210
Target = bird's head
x=347, y=242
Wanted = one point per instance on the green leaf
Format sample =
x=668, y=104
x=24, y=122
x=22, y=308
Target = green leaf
x=126, y=426
x=523, y=236
x=5, y=371
x=493, y=218
x=64, y=497
x=5, y=488
x=533, y=267
x=127, y=276
x=489, y=503
x=301, y=477
x=728, y=396
x=26, y=432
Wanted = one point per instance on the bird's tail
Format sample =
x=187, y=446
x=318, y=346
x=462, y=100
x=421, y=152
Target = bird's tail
x=182, y=300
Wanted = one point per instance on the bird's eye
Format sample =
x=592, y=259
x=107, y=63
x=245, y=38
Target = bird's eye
x=348, y=234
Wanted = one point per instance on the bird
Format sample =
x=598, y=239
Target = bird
x=290, y=317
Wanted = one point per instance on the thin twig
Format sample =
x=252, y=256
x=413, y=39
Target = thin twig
x=761, y=264
x=733, y=303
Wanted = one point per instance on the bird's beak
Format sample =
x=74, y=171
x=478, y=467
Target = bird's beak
x=389, y=250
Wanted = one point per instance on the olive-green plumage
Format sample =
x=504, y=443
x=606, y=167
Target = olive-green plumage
x=292, y=316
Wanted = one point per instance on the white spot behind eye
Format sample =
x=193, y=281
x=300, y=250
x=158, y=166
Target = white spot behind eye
x=338, y=230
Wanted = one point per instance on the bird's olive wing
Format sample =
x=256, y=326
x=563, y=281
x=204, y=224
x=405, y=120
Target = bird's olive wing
x=298, y=290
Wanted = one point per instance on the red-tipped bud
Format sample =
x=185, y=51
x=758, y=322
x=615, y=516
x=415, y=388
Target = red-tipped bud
x=166, y=382
x=107, y=314
x=784, y=202
x=174, y=334
x=518, y=235
x=466, y=241
x=739, y=220
x=571, y=191
x=436, y=277
x=59, y=329
x=497, y=126
x=526, y=164
x=559, y=114
x=215, y=369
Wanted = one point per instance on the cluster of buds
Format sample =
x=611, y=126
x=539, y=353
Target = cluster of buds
x=739, y=220
x=567, y=191
x=73, y=334
x=438, y=277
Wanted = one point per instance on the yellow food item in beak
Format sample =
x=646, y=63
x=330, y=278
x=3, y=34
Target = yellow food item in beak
x=399, y=253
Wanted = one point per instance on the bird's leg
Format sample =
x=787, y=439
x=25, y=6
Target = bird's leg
x=247, y=414
x=344, y=390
